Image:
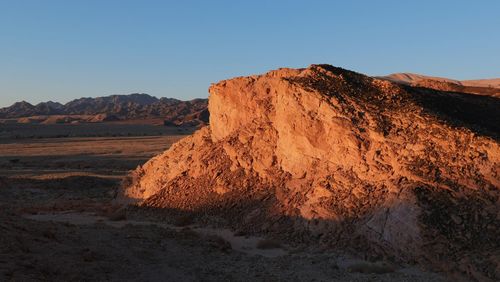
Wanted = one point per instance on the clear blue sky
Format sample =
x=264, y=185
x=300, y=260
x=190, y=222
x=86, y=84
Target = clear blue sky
x=65, y=49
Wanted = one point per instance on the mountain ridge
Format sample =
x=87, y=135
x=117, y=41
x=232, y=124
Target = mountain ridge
x=488, y=87
x=116, y=107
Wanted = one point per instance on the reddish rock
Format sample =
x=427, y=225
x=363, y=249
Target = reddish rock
x=330, y=155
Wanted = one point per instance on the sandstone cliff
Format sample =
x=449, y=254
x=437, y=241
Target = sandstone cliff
x=327, y=155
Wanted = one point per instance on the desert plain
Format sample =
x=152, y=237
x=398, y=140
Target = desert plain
x=59, y=220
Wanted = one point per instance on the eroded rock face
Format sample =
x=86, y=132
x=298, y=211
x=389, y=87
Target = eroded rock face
x=328, y=155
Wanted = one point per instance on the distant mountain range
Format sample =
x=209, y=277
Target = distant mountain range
x=490, y=87
x=171, y=111
x=113, y=108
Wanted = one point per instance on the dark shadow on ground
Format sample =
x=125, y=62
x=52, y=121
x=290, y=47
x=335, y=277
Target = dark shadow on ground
x=451, y=250
x=459, y=247
x=73, y=183
x=22, y=132
x=32, y=195
x=78, y=161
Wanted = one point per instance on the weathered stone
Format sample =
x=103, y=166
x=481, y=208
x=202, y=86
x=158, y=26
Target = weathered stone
x=367, y=158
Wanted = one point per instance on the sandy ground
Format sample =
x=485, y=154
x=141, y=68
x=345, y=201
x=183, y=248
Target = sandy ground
x=59, y=223
x=98, y=155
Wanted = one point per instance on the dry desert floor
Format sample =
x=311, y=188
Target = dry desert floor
x=58, y=222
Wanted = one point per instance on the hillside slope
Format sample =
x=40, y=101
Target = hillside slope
x=329, y=156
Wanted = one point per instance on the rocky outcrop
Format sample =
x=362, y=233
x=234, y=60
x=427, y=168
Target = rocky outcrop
x=331, y=156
